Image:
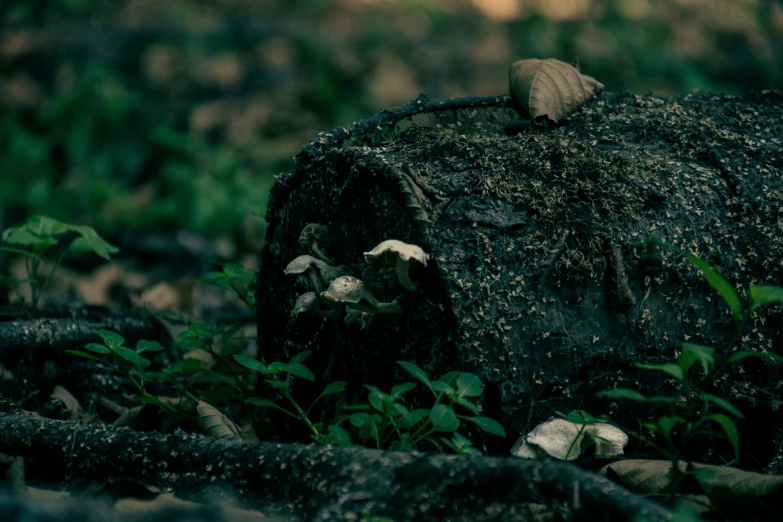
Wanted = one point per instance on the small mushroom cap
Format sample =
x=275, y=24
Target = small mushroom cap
x=313, y=231
x=392, y=248
x=348, y=290
x=304, y=303
x=302, y=263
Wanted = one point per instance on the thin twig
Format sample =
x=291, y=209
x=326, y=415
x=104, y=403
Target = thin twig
x=421, y=104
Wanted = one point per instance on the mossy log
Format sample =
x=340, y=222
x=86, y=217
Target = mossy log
x=526, y=234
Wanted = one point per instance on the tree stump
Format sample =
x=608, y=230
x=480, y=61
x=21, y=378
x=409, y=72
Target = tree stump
x=526, y=234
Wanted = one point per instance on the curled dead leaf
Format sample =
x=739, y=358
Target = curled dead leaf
x=550, y=89
x=216, y=424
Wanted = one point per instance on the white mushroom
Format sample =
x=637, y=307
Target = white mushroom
x=309, y=302
x=352, y=293
x=309, y=265
x=347, y=290
x=311, y=235
x=400, y=254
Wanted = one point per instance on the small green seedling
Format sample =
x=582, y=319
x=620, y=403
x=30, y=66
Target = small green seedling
x=278, y=376
x=693, y=412
x=388, y=423
x=38, y=234
x=235, y=278
x=129, y=362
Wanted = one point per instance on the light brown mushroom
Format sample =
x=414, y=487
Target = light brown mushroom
x=310, y=266
x=351, y=292
x=312, y=234
x=309, y=302
x=348, y=290
x=401, y=255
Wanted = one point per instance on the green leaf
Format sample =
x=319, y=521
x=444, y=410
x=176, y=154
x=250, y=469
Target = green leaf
x=622, y=393
x=490, y=426
x=251, y=363
x=723, y=403
x=91, y=241
x=450, y=378
x=97, y=348
x=376, y=401
x=469, y=385
x=111, y=339
x=19, y=251
x=191, y=365
x=299, y=370
x=443, y=418
x=762, y=295
x=277, y=384
x=151, y=399
x=398, y=410
x=301, y=356
x=333, y=387
x=667, y=423
x=731, y=430
x=148, y=346
x=401, y=389
x=467, y=404
x=86, y=355
x=340, y=436
x=714, y=279
x=266, y=403
x=744, y=354
x=416, y=372
x=132, y=357
x=366, y=424
x=578, y=417
x=442, y=387
x=695, y=352
x=672, y=369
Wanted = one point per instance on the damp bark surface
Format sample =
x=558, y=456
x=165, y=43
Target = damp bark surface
x=525, y=234
x=314, y=482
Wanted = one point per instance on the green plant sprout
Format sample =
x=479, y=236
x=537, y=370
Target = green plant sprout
x=582, y=419
x=690, y=413
x=388, y=423
x=129, y=362
x=39, y=233
x=236, y=279
x=278, y=376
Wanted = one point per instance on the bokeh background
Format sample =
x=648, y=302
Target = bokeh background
x=157, y=115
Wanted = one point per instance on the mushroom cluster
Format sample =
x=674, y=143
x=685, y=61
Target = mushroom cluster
x=336, y=293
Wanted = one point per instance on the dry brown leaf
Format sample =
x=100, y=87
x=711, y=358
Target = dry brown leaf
x=71, y=404
x=550, y=89
x=246, y=430
x=732, y=491
x=215, y=424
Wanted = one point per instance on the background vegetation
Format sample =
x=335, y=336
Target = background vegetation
x=142, y=115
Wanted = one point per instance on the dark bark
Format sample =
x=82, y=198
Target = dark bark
x=33, y=350
x=520, y=230
x=316, y=482
x=58, y=334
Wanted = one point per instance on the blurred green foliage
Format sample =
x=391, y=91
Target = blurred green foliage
x=140, y=115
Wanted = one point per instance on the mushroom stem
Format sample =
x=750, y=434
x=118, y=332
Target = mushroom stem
x=315, y=279
x=318, y=252
x=337, y=311
x=403, y=269
x=389, y=308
